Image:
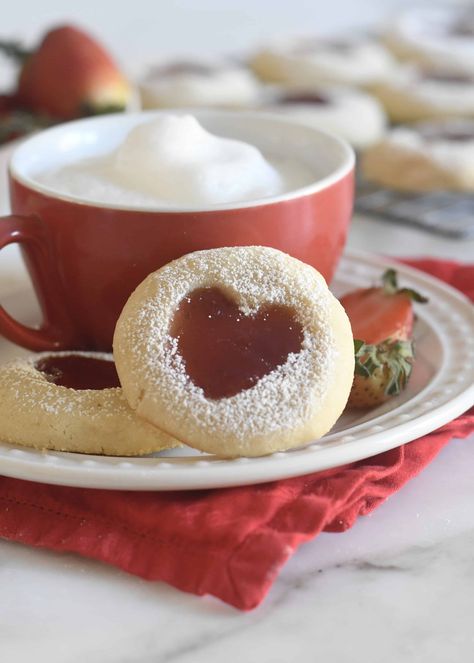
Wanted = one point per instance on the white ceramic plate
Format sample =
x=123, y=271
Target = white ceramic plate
x=440, y=389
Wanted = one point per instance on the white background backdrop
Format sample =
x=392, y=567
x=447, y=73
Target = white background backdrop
x=139, y=30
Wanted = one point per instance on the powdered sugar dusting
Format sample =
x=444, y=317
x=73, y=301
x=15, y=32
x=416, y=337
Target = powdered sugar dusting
x=251, y=276
x=32, y=389
x=450, y=155
x=41, y=414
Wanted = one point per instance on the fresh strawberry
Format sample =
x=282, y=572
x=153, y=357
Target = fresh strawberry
x=384, y=312
x=69, y=75
x=382, y=322
x=381, y=371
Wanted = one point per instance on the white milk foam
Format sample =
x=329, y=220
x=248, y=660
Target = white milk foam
x=172, y=161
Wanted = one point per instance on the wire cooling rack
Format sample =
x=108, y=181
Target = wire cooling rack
x=442, y=212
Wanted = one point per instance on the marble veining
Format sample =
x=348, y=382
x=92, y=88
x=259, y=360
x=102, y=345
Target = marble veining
x=396, y=587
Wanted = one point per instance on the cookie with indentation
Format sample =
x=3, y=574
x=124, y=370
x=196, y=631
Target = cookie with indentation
x=72, y=401
x=349, y=113
x=236, y=351
x=315, y=60
x=416, y=93
x=192, y=84
x=434, y=36
x=424, y=157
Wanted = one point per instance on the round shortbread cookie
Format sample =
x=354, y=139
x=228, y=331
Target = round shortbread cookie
x=440, y=36
x=349, y=113
x=37, y=412
x=196, y=84
x=415, y=93
x=311, y=61
x=289, y=349
x=424, y=157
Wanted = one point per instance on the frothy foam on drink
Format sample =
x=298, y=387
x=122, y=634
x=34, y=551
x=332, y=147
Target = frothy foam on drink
x=173, y=161
x=176, y=159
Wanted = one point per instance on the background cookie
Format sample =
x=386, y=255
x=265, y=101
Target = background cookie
x=440, y=36
x=416, y=93
x=349, y=113
x=187, y=84
x=312, y=60
x=425, y=157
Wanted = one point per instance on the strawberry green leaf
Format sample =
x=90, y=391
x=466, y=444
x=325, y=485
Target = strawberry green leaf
x=360, y=369
x=390, y=287
x=358, y=344
x=389, y=280
x=394, y=358
x=88, y=109
x=414, y=295
x=366, y=361
x=15, y=51
x=398, y=358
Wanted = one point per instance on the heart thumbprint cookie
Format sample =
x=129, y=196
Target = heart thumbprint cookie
x=237, y=351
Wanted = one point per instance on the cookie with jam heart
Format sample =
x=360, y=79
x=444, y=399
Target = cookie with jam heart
x=72, y=401
x=314, y=60
x=347, y=112
x=236, y=351
x=424, y=157
x=192, y=84
x=439, y=35
x=424, y=93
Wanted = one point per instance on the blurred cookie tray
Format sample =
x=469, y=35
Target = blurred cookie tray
x=447, y=213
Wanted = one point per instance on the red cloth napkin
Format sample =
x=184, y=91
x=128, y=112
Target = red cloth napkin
x=230, y=543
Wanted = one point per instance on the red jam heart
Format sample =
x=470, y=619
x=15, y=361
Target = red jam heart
x=178, y=68
x=304, y=98
x=79, y=372
x=225, y=351
x=458, y=134
x=464, y=27
x=448, y=77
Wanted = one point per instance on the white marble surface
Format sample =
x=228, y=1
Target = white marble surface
x=397, y=587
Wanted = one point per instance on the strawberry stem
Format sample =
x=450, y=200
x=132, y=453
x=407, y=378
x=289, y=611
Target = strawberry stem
x=390, y=287
x=15, y=51
x=390, y=281
x=413, y=295
x=91, y=109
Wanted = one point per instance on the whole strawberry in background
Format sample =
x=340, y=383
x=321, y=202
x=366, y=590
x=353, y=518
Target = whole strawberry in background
x=69, y=75
x=382, y=320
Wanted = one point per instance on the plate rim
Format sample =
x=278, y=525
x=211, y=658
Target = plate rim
x=355, y=443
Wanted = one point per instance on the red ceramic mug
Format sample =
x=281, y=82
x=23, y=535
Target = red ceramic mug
x=86, y=258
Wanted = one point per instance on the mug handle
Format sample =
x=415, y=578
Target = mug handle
x=56, y=331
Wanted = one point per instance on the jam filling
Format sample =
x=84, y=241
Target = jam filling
x=454, y=133
x=225, y=351
x=79, y=372
x=448, y=77
x=310, y=46
x=464, y=27
x=304, y=98
x=178, y=68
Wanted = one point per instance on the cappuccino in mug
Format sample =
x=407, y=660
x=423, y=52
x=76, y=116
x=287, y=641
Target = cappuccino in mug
x=172, y=161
